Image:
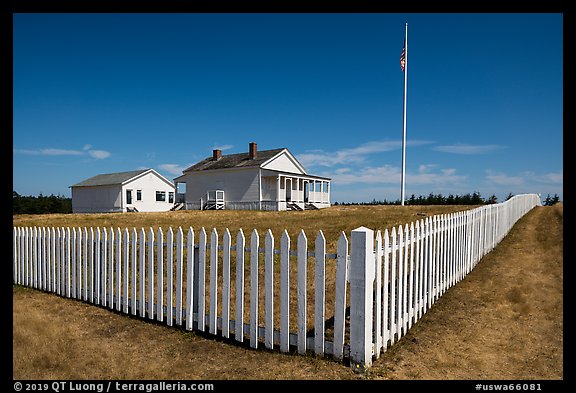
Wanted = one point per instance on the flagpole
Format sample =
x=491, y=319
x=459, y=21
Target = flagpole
x=403, y=181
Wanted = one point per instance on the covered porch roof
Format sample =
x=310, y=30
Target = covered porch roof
x=269, y=172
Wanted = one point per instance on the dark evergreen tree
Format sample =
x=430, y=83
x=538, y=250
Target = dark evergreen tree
x=40, y=204
x=551, y=201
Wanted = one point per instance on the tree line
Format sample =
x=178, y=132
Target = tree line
x=434, y=199
x=40, y=204
x=438, y=199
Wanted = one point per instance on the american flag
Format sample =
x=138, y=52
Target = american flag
x=403, y=57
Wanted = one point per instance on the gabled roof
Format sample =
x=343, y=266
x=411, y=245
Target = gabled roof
x=240, y=160
x=115, y=178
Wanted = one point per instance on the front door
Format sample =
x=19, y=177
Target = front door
x=288, y=190
x=128, y=197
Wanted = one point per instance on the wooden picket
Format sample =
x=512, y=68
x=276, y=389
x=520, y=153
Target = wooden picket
x=213, y=281
x=190, y=277
x=135, y=272
x=160, y=277
x=240, y=245
x=169, y=277
x=254, y=244
x=302, y=282
x=226, y=284
x=150, y=274
x=319, y=289
x=269, y=290
x=340, y=300
x=285, y=292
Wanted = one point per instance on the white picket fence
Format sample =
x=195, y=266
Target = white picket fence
x=196, y=282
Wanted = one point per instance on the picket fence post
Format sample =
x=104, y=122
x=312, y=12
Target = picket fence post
x=362, y=274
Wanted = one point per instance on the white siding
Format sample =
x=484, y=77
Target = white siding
x=149, y=184
x=96, y=199
x=239, y=185
x=112, y=197
x=269, y=188
x=284, y=163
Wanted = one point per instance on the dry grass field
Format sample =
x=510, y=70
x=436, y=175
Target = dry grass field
x=331, y=221
x=503, y=321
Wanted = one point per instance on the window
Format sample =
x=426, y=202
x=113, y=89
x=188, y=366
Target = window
x=171, y=197
x=160, y=196
x=138, y=195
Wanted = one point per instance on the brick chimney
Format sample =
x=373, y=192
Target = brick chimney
x=253, y=150
x=216, y=154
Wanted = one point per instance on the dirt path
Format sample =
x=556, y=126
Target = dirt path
x=503, y=321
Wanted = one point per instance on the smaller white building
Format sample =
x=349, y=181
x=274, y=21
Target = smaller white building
x=138, y=191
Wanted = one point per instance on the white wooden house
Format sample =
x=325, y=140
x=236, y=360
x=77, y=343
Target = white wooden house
x=143, y=190
x=254, y=180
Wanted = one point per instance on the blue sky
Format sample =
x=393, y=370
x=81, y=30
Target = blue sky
x=101, y=93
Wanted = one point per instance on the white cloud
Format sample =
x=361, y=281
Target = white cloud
x=503, y=179
x=60, y=152
x=389, y=174
x=365, y=193
x=343, y=170
x=426, y=167
x=462, y=148
x=98, y=154
x=557, y=178
x=352, y=155
x=368, y=175
x=443, y=177
x=222, y=147
x=173, y=169
x=27, y=152
x=48, y=152
x=524, y=178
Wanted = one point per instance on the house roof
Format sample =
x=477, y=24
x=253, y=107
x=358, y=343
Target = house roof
x=110, y=178
x=240, y=160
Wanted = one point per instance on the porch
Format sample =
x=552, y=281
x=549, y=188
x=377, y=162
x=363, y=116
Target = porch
x=272, y=190
x=295, y=192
